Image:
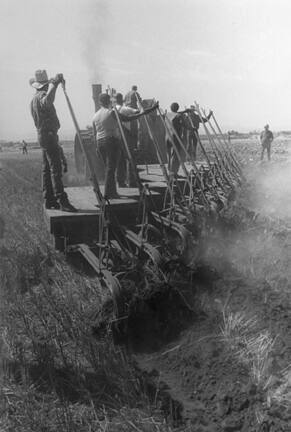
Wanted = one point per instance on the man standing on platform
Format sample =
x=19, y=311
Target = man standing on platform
x=131, y=98
x=108, y=137
x=47, y=125
x=193, y=123
x=176, y=121
x=266, y=139
x=131, y=135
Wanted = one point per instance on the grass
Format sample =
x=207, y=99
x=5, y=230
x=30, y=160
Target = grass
x=55, y=375
x=251, y=346
x=280, y=393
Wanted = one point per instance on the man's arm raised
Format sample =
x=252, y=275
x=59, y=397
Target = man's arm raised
x=126, y=118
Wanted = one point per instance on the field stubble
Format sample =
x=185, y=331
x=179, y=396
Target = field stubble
x=228, y=371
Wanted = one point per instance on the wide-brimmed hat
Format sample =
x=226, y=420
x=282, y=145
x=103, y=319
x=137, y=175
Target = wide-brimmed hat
x=40, y=79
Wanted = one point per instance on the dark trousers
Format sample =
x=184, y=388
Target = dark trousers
x=173, y=159
x=132, y=139
x=52, y=183
x=266, y=146
x=121, y=166
x=110, y=150
x=192, y=144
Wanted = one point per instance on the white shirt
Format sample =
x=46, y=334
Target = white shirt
x=128, y=111
x=106, y=124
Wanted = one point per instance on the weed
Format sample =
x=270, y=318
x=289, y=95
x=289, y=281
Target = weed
x=252, y=347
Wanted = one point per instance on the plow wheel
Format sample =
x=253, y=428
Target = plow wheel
x=175, y=227
x=107, y=278
x=144, y=247
x=113, y=284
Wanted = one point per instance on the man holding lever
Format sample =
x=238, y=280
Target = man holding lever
x=47, y=125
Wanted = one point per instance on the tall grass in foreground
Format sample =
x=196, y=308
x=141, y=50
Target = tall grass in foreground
x=55, y=374
x=249, y=344
x=253, y=348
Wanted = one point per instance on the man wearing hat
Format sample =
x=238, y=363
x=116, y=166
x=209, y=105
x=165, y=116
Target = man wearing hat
x=47, y=125
x=266, y=139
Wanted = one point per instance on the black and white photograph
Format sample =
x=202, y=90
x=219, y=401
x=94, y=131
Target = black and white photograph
x=145, y=216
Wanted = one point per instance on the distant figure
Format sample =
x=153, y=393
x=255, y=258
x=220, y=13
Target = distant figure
x=266, y=139
x=124, y=171
x=228, y=137
x=105, y=126
x=24, y=147
x=192, y=138
x=47, y=125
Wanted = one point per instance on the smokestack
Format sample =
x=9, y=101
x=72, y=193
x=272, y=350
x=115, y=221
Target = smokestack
x=96, y=91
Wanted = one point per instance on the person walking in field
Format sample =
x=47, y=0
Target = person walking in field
x=266, y=139
x=24, y=147
x=47, y=125
x=105, y=127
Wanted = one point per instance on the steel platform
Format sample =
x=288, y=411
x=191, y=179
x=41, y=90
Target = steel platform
x=82, y=227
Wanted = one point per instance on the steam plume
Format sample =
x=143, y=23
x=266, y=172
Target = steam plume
x=94, y=29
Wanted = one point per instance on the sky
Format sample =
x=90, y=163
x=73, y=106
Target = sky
x=233, y=56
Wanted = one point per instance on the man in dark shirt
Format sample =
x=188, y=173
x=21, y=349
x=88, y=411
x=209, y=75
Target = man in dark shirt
x=47, y=125
x=175, y=120
x=266, y=139
x=193, y=123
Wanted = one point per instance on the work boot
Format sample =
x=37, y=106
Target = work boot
x=51, y=204
x=66, y=206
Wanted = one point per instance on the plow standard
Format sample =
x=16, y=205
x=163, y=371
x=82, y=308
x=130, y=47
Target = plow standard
x=155, y=223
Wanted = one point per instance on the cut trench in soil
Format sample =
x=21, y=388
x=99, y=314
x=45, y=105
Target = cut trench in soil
x=156, y=315
x=156, y=318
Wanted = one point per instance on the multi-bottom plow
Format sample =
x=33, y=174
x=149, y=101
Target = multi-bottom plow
x=150, y=225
